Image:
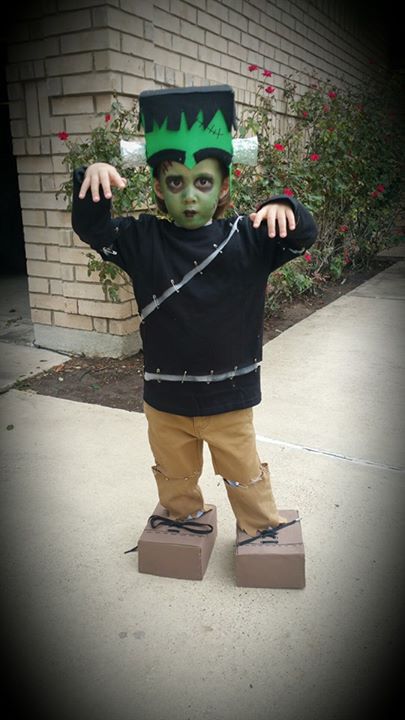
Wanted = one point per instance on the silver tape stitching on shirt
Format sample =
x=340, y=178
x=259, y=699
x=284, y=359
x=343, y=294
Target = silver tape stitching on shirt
x=202, y=378
x=176, y=287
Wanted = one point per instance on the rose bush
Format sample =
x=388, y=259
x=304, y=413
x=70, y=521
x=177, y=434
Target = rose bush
x=339, y=152
x=103, y=145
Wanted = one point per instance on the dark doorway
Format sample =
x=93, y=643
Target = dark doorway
x=12, y=250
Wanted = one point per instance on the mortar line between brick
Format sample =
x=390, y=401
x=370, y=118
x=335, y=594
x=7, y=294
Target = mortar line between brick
x=328, y=453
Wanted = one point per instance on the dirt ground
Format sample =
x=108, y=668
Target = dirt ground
x=118, y=383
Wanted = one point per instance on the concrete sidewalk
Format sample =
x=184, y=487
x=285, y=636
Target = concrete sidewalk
x=19, y=358
x=95, y=639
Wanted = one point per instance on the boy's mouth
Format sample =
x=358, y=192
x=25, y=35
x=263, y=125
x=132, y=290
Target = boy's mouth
x=190, y=213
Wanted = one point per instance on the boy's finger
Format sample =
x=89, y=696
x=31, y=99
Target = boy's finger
x=271, y=230
x=105, y=184
x=282, y=224
x=258, y=217
x=95, y=185
x=290, y=218
x=271, y=223
x=118, y=181
x=84, y=187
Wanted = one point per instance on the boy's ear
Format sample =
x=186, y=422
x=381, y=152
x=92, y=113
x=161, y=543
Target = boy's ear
x=224, y=188
x=157, y=189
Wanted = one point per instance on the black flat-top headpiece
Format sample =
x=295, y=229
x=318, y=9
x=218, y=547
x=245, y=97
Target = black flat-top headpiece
x=157, y=105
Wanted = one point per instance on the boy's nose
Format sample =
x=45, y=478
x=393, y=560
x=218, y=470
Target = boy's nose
x=189, y=194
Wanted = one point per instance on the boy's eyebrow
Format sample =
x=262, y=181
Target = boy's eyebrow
x=175, y=176
x=169, y=178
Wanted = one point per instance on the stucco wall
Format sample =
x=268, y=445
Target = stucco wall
x=66, y=59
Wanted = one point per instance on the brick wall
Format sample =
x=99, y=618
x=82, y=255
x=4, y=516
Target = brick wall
x=66, y=59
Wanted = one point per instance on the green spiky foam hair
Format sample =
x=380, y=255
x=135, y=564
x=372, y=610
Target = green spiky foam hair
x=187, y=125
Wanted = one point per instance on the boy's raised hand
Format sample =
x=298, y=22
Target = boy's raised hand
x=101, y=174
x=278, y=216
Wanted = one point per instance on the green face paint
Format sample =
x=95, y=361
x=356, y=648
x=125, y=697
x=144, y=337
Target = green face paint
x=191, y=194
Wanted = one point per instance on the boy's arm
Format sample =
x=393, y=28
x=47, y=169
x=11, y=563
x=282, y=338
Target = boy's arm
x=289, y=223
x=91, y=217
x=112, y=238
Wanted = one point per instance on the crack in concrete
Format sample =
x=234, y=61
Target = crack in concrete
x=376, y=297
x=329, y=453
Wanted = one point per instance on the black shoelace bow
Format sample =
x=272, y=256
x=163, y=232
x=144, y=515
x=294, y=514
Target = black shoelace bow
x=175, y=526
x=270, y=533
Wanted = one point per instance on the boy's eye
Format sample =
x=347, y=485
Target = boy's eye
x=204, y=183
x=174, y=182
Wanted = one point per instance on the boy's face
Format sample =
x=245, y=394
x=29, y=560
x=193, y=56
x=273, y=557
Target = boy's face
x=191, y=195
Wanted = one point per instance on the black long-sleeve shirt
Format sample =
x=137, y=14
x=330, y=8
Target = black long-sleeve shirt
x=213, y=326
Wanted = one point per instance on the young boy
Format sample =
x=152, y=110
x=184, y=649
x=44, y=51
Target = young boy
x=200, y=282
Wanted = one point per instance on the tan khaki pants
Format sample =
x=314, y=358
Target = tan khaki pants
x=177, y=445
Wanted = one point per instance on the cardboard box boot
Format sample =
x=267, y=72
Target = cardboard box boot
x=177, y=552
x=276, y=561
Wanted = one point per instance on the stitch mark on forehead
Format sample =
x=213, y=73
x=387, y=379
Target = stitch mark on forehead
x=216, y=132
x=211, y=129
x=166, y=165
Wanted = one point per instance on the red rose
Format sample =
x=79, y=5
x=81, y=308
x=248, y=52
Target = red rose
x=307, y=256
x=314, y=157
x=267, y=73
x=253, y=67
x=343, y=228
x=63, y=135
x=269, y=89
x=380, y=188
x=288, y=191
x=305, y=114
x=107, y=117
x=332, y=95
x=237, y=172
x=279, y=147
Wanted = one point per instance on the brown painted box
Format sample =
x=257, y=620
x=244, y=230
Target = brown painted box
x=176, y=553
x=267, y=565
